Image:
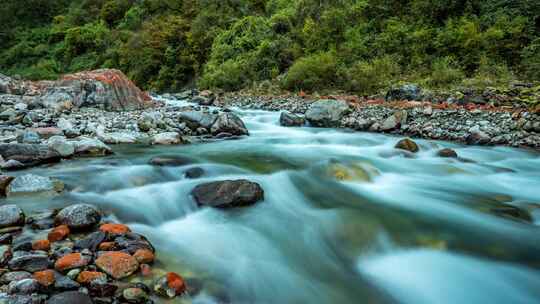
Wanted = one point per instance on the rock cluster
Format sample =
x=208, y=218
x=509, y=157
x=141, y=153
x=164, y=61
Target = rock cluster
x=466, y=124
x=72, y=256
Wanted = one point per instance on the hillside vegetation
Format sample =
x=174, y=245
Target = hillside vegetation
x=357, y=46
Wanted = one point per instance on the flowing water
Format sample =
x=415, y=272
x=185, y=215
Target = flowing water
x=346, y=218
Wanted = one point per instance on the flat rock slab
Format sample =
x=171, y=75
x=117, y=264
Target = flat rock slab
x=34, y=184
x=29, y=154
x=228, y=193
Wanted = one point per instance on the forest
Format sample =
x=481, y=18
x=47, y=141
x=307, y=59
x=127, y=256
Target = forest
x=358, y=46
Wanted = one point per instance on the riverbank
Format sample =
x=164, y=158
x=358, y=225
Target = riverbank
x=467, y=123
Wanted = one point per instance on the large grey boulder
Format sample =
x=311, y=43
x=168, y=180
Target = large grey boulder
x=34, y=184
x=288, y=119
x=229, y=123
x=11, y=215
x=327, y=112
x=29, y=154
x=228, y=193
x=91, y=147
x=79, y=216
x=197, y=119
x=405, y=92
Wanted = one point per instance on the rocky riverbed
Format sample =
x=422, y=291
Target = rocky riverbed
x=466, y=123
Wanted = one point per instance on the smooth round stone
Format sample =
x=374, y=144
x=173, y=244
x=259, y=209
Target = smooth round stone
x=79, y=216
x=11, y=215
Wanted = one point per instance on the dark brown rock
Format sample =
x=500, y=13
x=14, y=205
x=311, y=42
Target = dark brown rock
x=228, y=193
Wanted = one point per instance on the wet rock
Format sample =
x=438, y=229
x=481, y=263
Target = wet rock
x=144, y=256
x=100, y=289
x=193, y=173
x=91, y=241
x=42, y=245
x=288, y=119
x=170, y=285
x=117, y=264
x=58, y=233
x=25, y=286
x=404, y=92
x=79, y=216
x=131, y=242
x=29, y=137
x=512, y=212
x=167, y=138
x=408, y=145
x=71, y=261
x=30, y=262
x=228, y=193
x=396, y=120
x=9, y=277
x=43, y=220
x=31, y=184
x=171, y=161
x=202, y=101
x=327, y=113
x=87, y=277
x=447, y=153
x=91, y=147
x=5, y=254
x=11, y=215
x=115, y=229
x=61, y=146
x=229, y=123
x=70, y=297
x=29, y=155
x=5, y=180
x=118, y=138
x=197, y=119
x=45, y=278
x=477, y=137
x=135, y=295
x=65, y=283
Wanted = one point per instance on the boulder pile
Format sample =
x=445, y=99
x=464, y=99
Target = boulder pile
x=74, y=256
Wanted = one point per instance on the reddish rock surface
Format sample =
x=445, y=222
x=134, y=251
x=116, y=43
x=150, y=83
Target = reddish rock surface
x=44, y=245
x=86, y=277
x=45, y=278
x=71, y=261
x=176, y=283
x=106, y=246
x=58, y=233
x=115, y=228
x=107, y=87
x=117, y=264
x=144, y=256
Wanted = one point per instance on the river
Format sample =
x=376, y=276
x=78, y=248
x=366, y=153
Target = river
x=346, y=218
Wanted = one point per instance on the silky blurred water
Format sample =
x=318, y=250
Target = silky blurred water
x=391, y=228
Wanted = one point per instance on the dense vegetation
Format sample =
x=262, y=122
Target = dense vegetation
x=352, y=45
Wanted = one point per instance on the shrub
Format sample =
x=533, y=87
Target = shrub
x=318, y=71
x=368, y=77
x=444, y=73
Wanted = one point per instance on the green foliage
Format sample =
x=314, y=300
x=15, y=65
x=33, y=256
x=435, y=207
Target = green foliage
x=368, y=77
x=361, y=46
x=313, y=72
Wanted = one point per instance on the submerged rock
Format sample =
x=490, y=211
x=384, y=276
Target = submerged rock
x=447, y=152
x=408, y=145
x=288, y=119
x=228, y=193
x=172, y=160
x=70, y=297
x=327, y=112
x=11, y=215
x=170, y=285
x=34, y=184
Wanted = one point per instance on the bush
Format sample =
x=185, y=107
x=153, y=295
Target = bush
x=368, y=77
x=318, y=71
x=444, y=73
x=530, y=57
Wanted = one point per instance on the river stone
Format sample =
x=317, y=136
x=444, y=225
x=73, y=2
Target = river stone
x=11, y=215
x=70, y=297
x=29, y=155
x=229, y=123
x=477, y=137
x=118, y=138
x=408, y=145
x=447, y=152
x=288, y=119
x=135, y=295
x=405, y=92
x=167, y=138
x=79, y=216
x=197, y=119
x=5, y=180
x=11, y=276
x=24, y=286
x=228, y=193
x=394, y=121
x=172, y=160
x=61, y=145
x=30, y=137
x=194, y=172
x=327, y=112
x=30, y=262
x=91, y=147
x=117, y=264
x=34, y=184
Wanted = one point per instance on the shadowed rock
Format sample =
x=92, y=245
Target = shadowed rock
x=228, y=193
